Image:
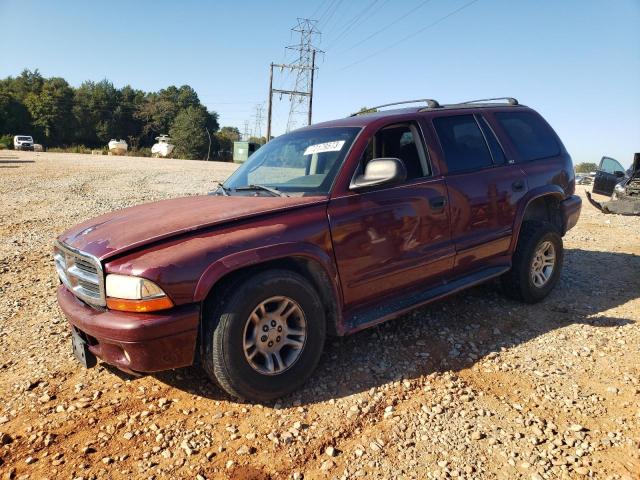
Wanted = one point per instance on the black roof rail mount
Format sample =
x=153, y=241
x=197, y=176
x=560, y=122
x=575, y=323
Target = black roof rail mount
x=430, y=103
x=510, y=100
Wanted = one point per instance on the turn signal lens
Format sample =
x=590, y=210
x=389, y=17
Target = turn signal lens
x=134, y=294
x=140, y=306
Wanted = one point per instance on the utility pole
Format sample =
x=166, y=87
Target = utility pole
x=313, y=68
x=304, y=67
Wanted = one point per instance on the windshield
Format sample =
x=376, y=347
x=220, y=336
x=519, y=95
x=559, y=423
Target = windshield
x=24, y=139
x=304, y=162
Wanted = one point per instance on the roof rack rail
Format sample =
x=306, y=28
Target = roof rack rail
x=430, y=103
x=510, y=100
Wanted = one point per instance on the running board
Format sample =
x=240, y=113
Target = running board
x=381, y=313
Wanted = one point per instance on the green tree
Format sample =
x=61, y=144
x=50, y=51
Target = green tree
x=586, y=167
x=232, y=133
x=93, y=113
x=258, y=140
x=188, y=133
x=94, y=107
x=14, y=116
x=50, y=110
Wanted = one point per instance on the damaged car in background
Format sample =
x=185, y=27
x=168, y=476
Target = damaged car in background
x=624, y=188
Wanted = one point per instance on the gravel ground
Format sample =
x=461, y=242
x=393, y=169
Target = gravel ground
x=476, y=386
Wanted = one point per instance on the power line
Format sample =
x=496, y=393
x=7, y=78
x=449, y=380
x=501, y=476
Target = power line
x=326, y=11
x=352, y=22
x=325, y=22
x=404, y=39
x=386, y=27
x=313, y=15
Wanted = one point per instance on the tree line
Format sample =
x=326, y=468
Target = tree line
x=59, y=115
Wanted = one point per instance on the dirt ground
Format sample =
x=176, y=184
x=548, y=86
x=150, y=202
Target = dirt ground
x=476, y=386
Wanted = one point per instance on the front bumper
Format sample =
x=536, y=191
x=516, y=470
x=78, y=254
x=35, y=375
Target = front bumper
x=135, y=342
x=570, y=210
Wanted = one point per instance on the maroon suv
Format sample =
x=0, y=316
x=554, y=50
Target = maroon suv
x=326, y=230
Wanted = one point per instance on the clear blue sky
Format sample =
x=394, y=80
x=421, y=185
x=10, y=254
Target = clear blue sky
x=576, y=61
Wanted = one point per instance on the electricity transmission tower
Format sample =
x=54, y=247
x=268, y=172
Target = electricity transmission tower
x=245, y=134
x=304, y=66
x=257, y=129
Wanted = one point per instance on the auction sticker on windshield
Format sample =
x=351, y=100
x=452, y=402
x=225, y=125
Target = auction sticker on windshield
x=324, y=147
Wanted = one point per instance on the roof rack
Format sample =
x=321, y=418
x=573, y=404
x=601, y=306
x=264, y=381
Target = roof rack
x=510, y=100
x=430, y=103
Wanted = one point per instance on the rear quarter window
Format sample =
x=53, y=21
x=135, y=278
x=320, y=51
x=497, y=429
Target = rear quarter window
x=531, y=136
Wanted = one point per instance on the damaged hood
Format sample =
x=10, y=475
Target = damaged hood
x=116, y=232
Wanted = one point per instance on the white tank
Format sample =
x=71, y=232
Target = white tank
x=117, y=147
x=162, y=148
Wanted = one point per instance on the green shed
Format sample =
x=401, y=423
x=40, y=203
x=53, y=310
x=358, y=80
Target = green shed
x=243, y=150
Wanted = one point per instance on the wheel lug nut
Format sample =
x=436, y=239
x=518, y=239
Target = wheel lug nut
x=279, y=328
x=263, y=338
x=265, y=328
x=270, y=344
x=273, y=323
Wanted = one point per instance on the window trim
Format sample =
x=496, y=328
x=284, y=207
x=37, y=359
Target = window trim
x=444, y=155
x=479, y=118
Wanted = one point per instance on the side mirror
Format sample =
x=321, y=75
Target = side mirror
x=618, y=174
x=380, y=171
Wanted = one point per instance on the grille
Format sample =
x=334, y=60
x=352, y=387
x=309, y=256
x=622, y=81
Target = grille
x=81, y=273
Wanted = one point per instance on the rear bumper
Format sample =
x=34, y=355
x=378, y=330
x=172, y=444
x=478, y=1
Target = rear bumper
x=570, y=210
x=135, y=342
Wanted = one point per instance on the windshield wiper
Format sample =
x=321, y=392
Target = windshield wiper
x=225, y=192
x=255, y=186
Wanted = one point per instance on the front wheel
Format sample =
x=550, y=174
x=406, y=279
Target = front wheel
x=537, y=263
x=265, y=338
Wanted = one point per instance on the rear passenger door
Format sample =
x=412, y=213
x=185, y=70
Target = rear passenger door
x=484, y=190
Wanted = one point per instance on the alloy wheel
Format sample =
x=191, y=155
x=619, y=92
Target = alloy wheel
x=274, y=335
x=543, y=264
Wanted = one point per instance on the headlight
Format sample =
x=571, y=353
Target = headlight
x=134, y=294
x=619, y=188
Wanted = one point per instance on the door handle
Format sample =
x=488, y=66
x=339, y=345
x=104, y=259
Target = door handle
x=517, y=186
x=437, y=203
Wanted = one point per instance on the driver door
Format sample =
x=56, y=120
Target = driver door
x=609, y=173
x=391, y=239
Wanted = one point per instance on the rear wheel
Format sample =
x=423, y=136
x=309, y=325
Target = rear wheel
x=537, y=263
x=266, y=336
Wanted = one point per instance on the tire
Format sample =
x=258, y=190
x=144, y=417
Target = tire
x=238, y=321
x=524, y=281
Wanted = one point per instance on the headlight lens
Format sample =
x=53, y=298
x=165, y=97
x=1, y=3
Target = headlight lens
x=134, y=294
x=619, y=188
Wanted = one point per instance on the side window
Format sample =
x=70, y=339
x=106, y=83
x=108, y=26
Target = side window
x=462, y=142
x=399, y=141
x=497, y=153
x=610, y=165
x=532, y=137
